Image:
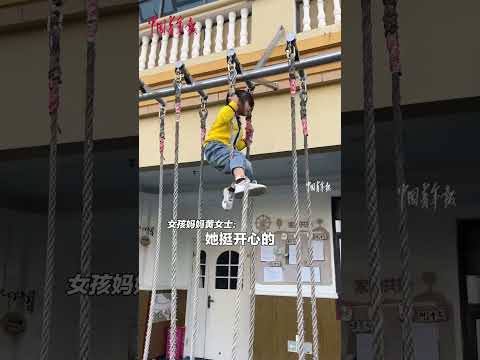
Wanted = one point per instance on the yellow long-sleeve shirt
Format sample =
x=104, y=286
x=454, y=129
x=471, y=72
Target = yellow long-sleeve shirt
x=220, y=130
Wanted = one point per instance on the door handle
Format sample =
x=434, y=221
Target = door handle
x=209, y=301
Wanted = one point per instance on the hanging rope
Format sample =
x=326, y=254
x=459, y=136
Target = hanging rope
x=251, y=332
x=376, y=296
x=303, y=116
x=232, y=76
x=240, y=281
x=232, y=79
x=251, y=336
x=393, y=45
x=156, y=261
x=87, y=194
x=173, y=320
x=55, y=20
x=290, y=52
x=196, y=280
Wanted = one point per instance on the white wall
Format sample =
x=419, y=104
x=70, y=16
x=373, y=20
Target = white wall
x=115, y=318
x=24, y=62
x=276, y=202
x=439, y=52
x=433, y=241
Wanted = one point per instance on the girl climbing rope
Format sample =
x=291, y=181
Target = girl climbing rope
x=223, y=146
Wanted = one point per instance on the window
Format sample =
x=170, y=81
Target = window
x=161, y=8
x=203, y=264
x=226, y=271
x=148, y=9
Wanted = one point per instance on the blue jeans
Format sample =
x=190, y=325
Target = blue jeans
x=218, y=155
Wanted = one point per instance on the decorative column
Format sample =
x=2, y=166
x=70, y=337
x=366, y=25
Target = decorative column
x=162, y=57
x=196, y=40
x=322, y=19
x=152, y=59
x=337, y=11
x=244, y=27
x=219, y=37
x=143, y=52
x=207, y=44
x=232, y=18
x=306, y=15
x=174, y=49
x=185, y=44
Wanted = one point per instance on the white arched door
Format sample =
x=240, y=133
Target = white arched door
x=222, y=280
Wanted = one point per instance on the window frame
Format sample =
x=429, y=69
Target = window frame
x=160, y=13
x=229, y=266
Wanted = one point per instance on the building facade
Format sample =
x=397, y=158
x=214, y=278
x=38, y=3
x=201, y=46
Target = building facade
x=439, y=93
x=24, y=162
x=248, y=27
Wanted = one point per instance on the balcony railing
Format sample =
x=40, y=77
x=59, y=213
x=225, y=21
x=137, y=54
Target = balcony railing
x=214, y=32
x=318, y=14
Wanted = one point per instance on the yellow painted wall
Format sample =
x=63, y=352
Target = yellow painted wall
x=267, y=16
x=440, y=52
x=272, y=112
x=271, y=123
x=24, y=95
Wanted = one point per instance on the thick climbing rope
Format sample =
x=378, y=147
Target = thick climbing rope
x=393, y=45
x=236, y=325
x=376, y=296
x=251, y=332
x=55, y=19
x=87, y=194
x=290, y=52
x=313, y=298
x=232, y=79
x=196, y=273
x=173, y=320
x=232, y=76
x=156, y=260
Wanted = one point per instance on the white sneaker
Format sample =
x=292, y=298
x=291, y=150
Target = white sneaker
x=228, y=197
x=254, y=189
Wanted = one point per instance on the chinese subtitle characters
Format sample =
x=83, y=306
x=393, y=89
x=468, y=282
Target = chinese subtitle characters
x=239, y=238
x=103, y=284
x=200, y=224
x=161, y=26
x=427, y=196
x=389, y=286
x=148, y=230
x=319, y=186
x=13, y=296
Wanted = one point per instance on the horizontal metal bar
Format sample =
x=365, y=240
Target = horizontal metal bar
x=247, y=75
x=146, y=89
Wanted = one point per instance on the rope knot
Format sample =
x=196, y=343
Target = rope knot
x=390, y=16
x=91, y=20
x=54, y=95
x=305, y=126
x=162, y=147
x=249, y=131
x=293, y=86
x=390, y=24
